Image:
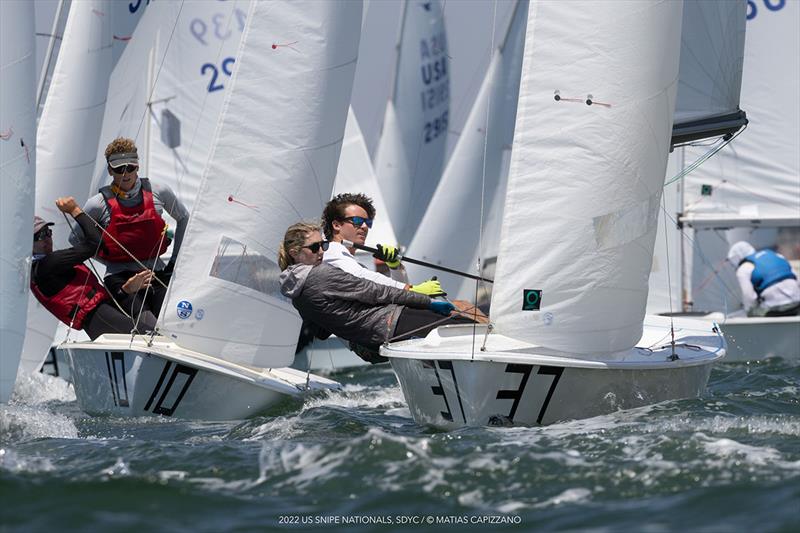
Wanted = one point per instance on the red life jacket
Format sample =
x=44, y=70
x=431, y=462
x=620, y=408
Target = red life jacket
x=138, y=229
x=77, y=299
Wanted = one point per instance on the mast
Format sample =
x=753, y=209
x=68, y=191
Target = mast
x=49, y=55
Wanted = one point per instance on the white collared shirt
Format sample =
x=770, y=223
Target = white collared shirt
x=340, y=257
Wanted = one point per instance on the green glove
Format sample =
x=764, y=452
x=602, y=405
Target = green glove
x=387, y=254
x=431, y=288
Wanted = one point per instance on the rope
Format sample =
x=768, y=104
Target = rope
x=705, y=157
x=483, y=180
x=97, y=275
x=669, y=278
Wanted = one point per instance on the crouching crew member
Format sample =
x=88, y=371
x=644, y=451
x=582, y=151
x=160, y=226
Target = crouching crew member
x=68, y=289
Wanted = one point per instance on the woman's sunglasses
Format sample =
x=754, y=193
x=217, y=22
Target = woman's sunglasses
x=358, y=221
x=315, y=246
x=42, y=234
x=124, y=169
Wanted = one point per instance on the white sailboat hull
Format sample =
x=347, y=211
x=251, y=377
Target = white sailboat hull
x=119, y=377
x=757, y=338
x=514, y=383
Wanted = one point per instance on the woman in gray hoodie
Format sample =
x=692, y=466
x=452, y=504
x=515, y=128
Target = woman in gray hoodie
x=355, y=309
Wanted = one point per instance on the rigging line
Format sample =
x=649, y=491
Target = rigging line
x=97, y=275
x=106, y=233
x=669, y=279
x=703, y=158
x=726, y=290
x=483, y=170
x=151, y=90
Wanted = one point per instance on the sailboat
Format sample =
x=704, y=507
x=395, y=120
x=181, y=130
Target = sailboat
x=17, y=174
x=568, y=336
x=95, y=36
x=411, y=152
x=749, y=190
x=228, y=334
x=171, y=113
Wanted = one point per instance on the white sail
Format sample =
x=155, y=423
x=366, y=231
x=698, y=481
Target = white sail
x=758, y=175
x=474, y=174
x=587, y=168
x=712, y=48
x=356, y=175
x=665, y=294
x=96, y=33
x=194, y=45
x=18, y=171
x=411, y=152
x=273, y=163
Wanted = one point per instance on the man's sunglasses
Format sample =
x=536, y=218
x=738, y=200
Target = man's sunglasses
x=358, y=221
x=42, y=234
x=124, y=169
x=315, y=246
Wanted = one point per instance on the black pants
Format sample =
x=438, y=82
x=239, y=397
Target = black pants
x=417, y=323
x=106, y=318
x=152, y=298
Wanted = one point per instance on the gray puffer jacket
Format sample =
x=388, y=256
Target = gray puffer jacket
x=352, y=308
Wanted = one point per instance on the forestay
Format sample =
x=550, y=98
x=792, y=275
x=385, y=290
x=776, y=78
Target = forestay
x=273, y=163
x=17, y=168
x=95, y=35
x=712, y=48
x=585, y=180
x=474, y=174
x=356, y=175
x=411, y=151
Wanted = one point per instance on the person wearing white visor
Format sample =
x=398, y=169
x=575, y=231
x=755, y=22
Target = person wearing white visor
x=768, y=284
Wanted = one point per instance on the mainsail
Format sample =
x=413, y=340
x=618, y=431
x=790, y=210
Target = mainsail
x=590, y=148
x=411, y=152
x=273, y=163
x=712, y=47
x=17, y=168
x=474, y=176
x=190, y=49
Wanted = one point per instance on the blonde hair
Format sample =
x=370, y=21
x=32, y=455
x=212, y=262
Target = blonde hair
x=293, y=240
x=120, y=145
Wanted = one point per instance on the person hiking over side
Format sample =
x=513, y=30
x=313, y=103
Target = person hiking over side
x=70, y=291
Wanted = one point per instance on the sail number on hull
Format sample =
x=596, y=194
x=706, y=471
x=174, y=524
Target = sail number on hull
x=176, y=376
x=554, y=372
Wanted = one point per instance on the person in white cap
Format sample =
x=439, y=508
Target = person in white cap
x=68, y=289
x=768, y=285
x=134, y=234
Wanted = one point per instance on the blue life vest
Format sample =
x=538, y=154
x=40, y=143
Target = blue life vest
x=770, y=268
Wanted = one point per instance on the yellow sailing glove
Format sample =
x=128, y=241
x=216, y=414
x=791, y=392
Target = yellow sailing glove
x=431, y=288
x=387, y=254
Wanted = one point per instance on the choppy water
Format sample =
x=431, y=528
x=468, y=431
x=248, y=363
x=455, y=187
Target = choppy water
x=727, y=462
